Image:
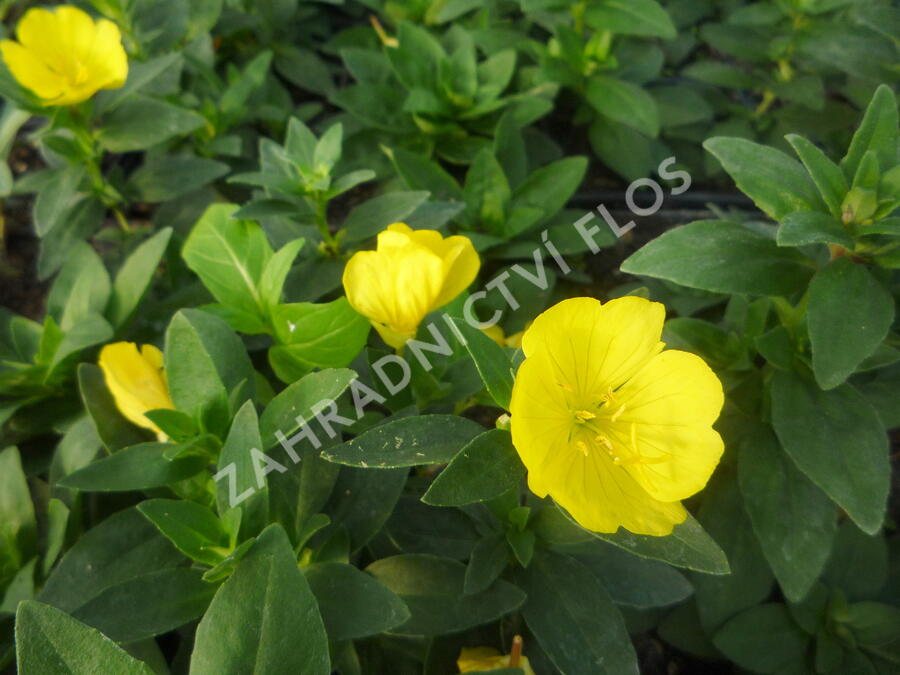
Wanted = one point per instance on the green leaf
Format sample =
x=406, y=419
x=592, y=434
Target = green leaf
x=793, y=520
x=625, y=150
x=623, y=102
x=205, y=362
x=636, y=582
x=874, y=624
x=836, y=438
x=417, y=57
x=492, y=363
x=163, y=177
x=421, y=173
x=723, y=257
x=191, y=527
x=18, y=528
x=140, y=74
x=411, y=441
x=487, y=191
x=229, y=256
x=142, y=122
x=630, y=17
x=362, y=501
x=353, y=604
x=415, y=527
x=488, y=559
x=122, y=547
x=242, y=486
x=859, y=564
x=484, y=469
x=81, y=289
x=827, y=175
x=574, y=619
x=776, y=183
x=328, y=148
x=877, y=131
x=264, y=618
x=750, y=579
x=57, y=523
x=233, y=103
x=551, y=186
x=113, y=429
x=296, y=402
x=848, y=316
x=148, y=605
x=135, y=277
x=139, y=467
x=51, y=642
x=802, y=228
x=275, y=272
x=433, y=590
x=316, y=335
x=57, y=198
x=764, y=639
x=689, y=546
x=374, y=215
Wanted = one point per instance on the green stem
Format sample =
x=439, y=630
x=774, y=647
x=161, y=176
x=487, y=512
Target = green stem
x=321, y=216
x=121, y=219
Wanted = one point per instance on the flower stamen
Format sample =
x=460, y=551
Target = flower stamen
x=582, y=416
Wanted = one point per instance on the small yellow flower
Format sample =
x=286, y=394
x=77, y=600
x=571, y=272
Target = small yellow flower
x=136, y=381
x=480, y=659
x=64, y=56
x=411, y=273
x=616, y=430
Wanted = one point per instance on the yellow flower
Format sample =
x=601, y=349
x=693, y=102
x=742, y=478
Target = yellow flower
x=411, y=273
x=479, y=659
x=616, y=430
x=64, y=56
x=136, y=381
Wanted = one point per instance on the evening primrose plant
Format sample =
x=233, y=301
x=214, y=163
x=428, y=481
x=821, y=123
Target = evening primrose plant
x=805, y=342
x=338, y=368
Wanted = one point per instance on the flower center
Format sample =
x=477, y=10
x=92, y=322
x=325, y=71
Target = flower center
x=591, y=431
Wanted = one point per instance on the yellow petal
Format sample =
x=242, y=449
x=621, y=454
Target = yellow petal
x=605, y=497
x=30, y=71
x=540, y=419
x=460, y=260
x=672, y=403
x=108, y=59
x=461, y=265
x=598, y=347
x=136, y=382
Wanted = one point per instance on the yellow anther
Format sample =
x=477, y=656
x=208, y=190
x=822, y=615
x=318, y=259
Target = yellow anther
x=584, y=415
x=581, y=445
x=605, y=441
x=618, y=413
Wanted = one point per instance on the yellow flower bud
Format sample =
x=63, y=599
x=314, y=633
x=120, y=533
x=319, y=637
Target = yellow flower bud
x=483, y=659
x=411, y=273
x=64, y=56
x=136, y=381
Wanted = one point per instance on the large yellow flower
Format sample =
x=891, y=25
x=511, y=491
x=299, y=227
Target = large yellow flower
x=411, y=273
x=616, y=430
x=136, y=381
x=64, y=56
